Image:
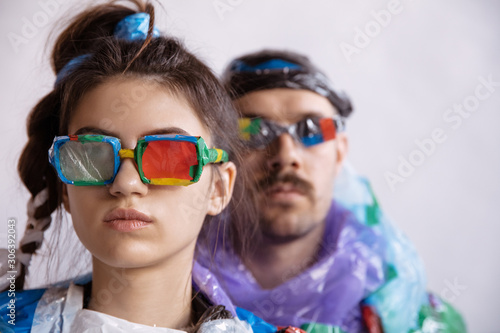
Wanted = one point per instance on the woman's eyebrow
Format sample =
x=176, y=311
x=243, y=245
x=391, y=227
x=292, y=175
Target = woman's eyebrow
x=94, y=130
x=166, y=130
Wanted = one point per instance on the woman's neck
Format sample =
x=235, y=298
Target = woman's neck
x=158, y=295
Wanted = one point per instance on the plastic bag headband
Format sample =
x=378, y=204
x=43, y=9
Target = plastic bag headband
x=161, y=159
x=269, y=69
x=134, y=27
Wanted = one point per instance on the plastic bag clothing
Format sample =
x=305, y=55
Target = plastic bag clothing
x=363, y=262
x=59, y=308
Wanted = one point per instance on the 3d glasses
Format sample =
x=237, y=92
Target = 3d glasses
x=259, y=132
x=161, y=159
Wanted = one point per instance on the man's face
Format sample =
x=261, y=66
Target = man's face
x=294, y=183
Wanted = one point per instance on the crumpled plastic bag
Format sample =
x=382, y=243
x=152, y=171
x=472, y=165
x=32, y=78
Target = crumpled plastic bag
x=399, y=301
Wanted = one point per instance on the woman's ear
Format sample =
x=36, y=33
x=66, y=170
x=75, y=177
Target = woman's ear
x=222, y=188
x=65, y=198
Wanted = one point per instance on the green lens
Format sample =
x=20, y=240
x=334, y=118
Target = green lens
x=90, y=162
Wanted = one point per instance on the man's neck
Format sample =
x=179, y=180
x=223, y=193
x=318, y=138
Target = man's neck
x=273, y=263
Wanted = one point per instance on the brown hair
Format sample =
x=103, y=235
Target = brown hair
x=164, y=59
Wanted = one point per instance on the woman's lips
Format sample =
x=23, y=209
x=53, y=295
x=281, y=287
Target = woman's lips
x=127, y=220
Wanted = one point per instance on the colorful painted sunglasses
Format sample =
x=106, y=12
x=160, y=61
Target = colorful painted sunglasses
x=259, y=132
x=161, y=159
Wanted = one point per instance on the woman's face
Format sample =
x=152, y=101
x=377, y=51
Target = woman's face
x=161, y=222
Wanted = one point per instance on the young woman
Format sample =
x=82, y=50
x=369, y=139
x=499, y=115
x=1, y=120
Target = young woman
x=137, y=141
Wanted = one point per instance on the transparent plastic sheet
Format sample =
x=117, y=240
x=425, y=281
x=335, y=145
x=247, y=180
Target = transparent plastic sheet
x=59, y=309
x=58, y=306
x=398, y=302
x=205, y=281
x=90, y=161
x=226, y=326
x=48, y=315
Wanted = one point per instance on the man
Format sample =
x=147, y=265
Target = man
x=323, y=264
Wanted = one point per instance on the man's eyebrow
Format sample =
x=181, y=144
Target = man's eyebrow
x=298, y=117
x=313, y=114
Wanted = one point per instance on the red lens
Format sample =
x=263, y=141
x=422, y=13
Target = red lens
x=169, y=159
x=327, y=128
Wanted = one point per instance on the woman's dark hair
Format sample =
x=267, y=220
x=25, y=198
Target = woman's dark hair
x=162, y=59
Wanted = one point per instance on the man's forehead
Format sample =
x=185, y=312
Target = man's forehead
x=284, y=105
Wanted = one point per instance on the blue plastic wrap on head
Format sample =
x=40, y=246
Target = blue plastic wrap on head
x=270, y=65
x=134, y=27
x=270, y=69
x=398, y=302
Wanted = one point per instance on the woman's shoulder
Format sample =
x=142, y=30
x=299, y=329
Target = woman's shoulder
x=17, y=309
x=20, y=311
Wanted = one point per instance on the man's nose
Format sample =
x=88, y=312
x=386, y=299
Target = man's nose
x=284, y=152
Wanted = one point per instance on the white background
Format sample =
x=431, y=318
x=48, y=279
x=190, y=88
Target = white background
x=426, y=59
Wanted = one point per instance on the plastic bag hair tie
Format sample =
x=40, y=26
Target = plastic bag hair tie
x=134, y=27
x=36, y=227
x=33, y=234
x=70, y=67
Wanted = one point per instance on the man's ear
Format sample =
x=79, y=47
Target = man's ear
x=222, y=188
x=65, y=198
x=342, y=147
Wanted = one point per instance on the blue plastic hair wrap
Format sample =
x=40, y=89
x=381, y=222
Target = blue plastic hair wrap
x=71, y=66
x=134, y=27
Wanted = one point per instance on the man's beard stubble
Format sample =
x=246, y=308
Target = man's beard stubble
x=274, y=178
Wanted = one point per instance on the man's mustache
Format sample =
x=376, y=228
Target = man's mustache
x=274, y=178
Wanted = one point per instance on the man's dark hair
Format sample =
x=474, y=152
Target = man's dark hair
x=268, y=69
